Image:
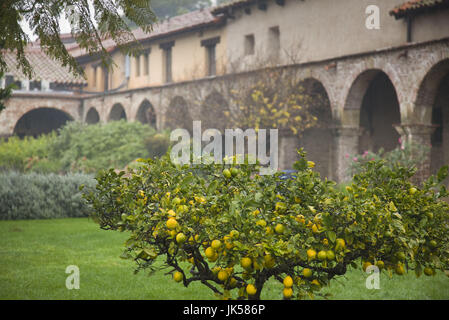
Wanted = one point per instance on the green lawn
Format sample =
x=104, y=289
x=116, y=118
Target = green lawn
x=35, y=254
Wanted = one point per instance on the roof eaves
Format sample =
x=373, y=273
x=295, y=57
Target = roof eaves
x=416, y=7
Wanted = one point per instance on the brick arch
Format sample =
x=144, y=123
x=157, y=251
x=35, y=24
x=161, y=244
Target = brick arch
x=320, y=153
x=328, y=84
x=40, y=120
x=316, y=87
x=356, y=88
x=427, y=91
x=18, y=106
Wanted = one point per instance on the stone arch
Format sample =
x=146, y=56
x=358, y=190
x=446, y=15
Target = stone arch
x=372, y=105
x=214, y=111
x=40, y=121
x=177, y=115
x=117, y=113
x=92, y=116
x=317, y=141
x=146, y=114
x=428, y=91
x=432, y=111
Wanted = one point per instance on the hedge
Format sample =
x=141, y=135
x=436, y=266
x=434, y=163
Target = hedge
x=42, y=196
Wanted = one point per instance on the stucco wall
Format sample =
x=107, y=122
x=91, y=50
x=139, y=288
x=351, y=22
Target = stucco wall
x=323, y=29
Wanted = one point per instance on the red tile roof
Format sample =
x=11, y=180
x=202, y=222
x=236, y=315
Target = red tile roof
x=165, y=28
x=418, y=6
x=44, y=67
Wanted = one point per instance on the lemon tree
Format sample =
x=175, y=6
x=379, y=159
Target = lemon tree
x=232, y=230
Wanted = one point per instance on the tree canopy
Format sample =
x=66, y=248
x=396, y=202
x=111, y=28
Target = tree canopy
x=91, y=21
x=170, y=8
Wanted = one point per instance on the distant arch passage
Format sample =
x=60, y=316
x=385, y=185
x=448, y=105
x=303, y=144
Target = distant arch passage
x=146, y=114
x=178, y=115
x=317, y=141
x=41, y=121
x=379, y=113
x=92, y=116
x=117, y=113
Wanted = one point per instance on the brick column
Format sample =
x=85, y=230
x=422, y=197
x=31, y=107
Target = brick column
x=419, y=134
x=346, y=141
x=288, y=145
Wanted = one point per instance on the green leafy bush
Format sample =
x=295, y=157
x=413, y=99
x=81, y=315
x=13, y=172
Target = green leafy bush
x=409, y=155
x=232, y=230
x=42, y=196
x=157, y=145
x=82, y=148
x=25, y=154
x=88, y=148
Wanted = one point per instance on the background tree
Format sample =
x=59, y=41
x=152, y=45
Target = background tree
x=92, y=21
x=5, y=93
x=170, y=8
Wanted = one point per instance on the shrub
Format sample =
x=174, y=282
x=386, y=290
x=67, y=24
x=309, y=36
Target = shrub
x=26, y=154
x=157, y=145
x=232, y=230
x=82, y=148
x=39, y=196
x=408, y=154
x=89, y=148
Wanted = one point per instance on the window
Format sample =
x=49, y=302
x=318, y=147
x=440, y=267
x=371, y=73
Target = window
x=249, y=44
x=106, y=79
x=94, y=76
x=167, y=49
x=274, y=39
x=137, y=65
x=146, y=63
x=9, y=80
x=168, y=63
x=211, y=64
x=212, y=67
x=35, y=85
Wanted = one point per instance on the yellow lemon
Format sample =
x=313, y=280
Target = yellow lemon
x=246, y=263
x=216, y=244
x=279, y=229
x=365, y=265
x=340, y=244
x=172, y=223
x=181, y=238
x=177, y=276
x=269, y=261
x=429, y=271
x=311, y=254
x=288, y=282
x=209, y=252
x=400, y=269
x=222, y=275
x=287, y=292
x=330, y=255
x=251, y=289
x=322, y=255
x=307, y=273
x=262, y=223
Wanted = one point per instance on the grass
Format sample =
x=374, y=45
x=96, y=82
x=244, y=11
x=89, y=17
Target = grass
x=35, y=253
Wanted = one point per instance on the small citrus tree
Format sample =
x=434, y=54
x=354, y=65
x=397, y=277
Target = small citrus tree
x=278, y=100
x=232, y=230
